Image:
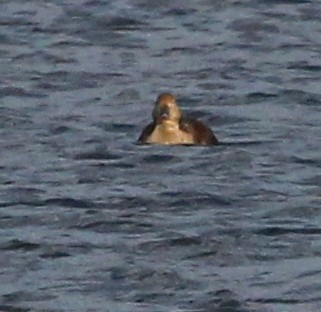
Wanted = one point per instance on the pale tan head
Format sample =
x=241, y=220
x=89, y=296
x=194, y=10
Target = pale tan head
x=166, y=109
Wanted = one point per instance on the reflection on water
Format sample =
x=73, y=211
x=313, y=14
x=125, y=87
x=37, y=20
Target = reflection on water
x=92, y=221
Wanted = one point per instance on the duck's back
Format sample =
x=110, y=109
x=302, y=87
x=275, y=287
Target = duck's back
x=201, y=133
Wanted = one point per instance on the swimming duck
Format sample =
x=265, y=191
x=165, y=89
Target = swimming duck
x=170, y=127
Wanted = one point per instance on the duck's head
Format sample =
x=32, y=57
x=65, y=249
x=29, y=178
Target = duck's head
x=166, y=109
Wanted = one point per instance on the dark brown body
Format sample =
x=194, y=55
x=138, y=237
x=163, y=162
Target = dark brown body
x=169, y=127
x=201, y=133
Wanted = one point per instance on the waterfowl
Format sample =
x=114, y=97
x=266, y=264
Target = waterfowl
x=170, y=127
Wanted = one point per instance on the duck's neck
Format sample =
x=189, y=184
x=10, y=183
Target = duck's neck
x=168, y=126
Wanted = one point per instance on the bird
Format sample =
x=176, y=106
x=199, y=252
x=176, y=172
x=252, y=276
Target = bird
x=170, y=127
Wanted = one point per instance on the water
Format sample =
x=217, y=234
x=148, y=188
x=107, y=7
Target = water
x=92, y=221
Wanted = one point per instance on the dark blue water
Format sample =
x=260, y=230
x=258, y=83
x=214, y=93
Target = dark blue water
x=92, y=221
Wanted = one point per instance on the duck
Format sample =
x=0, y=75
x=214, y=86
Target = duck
x=171, y=127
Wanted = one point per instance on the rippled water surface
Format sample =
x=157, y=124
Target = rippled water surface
x=92, y=221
